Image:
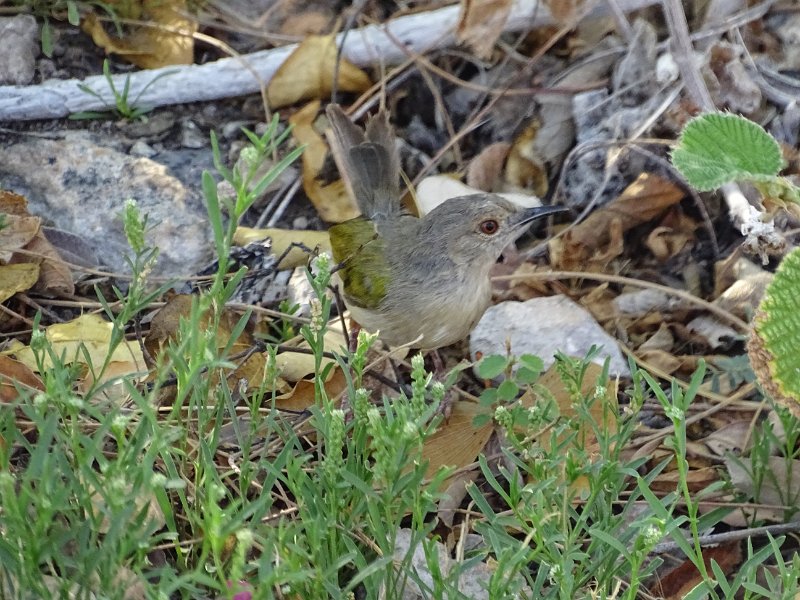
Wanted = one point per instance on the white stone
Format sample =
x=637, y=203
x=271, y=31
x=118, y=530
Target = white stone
x=543, y=327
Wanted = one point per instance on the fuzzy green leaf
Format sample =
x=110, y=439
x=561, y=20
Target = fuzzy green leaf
x=778, y=328
x=718, y=148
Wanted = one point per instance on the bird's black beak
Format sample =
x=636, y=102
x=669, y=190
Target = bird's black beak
x=529, y=215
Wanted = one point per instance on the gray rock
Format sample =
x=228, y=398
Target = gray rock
x=141, y=148
x=191, y=136
x=473, y=582
x=542, y=327
x=81, y=187
x=18, y=49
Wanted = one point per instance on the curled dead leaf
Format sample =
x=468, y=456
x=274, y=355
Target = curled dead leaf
x=332, y=201
x=165, y=39
x=642, y=201
x=481, y=22
x=486, y=168
x=308, y=73
x=13, y=375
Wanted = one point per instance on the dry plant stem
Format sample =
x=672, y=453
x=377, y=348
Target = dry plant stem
x=228, y=77
x=761, y=237
x=733, y=536
x=683, y=53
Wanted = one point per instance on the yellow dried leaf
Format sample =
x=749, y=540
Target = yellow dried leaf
x=165, y=40
x=525, y=169
x=294, y=366
x=308, y=73
x=17, y=233
x=332, y=201
x=17, y=278
x=91, y=332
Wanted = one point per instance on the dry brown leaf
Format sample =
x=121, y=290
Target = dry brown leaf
x=301, y=396
x=282, y=239
x=665, y=362
x=697, y=480
x=17, y=233
x=603, y=410
x=486, y=168
x=599, y=302
x=22, y=241
x=17, y=278
x=55, y=277
x=735, y=437
x=13, y=204
x=14, y=375
x=481, y=22
x=458, y=441
x=642, y=201
x=660, y=340
x=674, y=232
x=565, y=11
x=165, y=40
x=332, y=201
x=165, y=323
x=679, y=581
x=308, y=74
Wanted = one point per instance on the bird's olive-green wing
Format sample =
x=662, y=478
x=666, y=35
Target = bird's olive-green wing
x=362, y=254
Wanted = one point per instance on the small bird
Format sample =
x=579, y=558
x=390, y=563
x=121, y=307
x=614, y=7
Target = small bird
x=417, y=281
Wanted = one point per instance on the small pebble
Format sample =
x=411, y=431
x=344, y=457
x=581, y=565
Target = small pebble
x=140, y=148
x=191, y=136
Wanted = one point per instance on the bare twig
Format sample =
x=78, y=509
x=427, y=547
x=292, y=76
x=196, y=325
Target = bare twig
x=760, y=237
x=228, y=77
x=732, y=536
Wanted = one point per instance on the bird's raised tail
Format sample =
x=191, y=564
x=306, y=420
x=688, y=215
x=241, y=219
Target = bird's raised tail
x=368, y=162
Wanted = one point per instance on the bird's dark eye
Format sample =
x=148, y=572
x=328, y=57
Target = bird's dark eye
x=489, y=226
